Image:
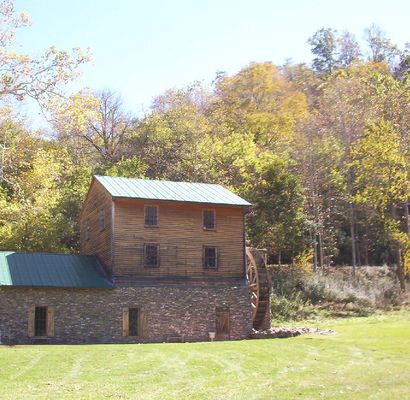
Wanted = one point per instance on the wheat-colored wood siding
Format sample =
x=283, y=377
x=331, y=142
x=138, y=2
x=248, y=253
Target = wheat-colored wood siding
x=181, y=237
x=99, y=242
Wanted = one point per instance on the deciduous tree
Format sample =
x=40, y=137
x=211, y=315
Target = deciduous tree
x=382, y=181
x=324, y=46
x=22, y=76
x=93, y=123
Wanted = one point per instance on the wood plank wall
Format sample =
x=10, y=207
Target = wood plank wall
x=181, y=238
x=100, y=240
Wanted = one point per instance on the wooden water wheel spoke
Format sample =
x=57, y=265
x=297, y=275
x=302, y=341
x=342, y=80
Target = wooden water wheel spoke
x=258, y=284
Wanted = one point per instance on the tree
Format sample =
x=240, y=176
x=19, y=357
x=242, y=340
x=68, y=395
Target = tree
x=22, y=76
x=342, y=110
x=381, y=47
x=304, y=80
x=41, y=200
x=402, y=71
x=97, y=119
x=277, y=221
x=169, y=140
x=320, y=163
x=382, y=182
x=348, y=49
x=132, y=167
x=262, y=101
x=324, y=46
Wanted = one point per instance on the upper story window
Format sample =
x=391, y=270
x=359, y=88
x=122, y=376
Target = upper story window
x=87, y=229
x=101, y=219
x=151, y=215
x=210, y=257
x=208, y=219
x=151, y=255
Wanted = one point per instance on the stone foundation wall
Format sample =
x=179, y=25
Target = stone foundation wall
x=95, y=315
x=267, y=320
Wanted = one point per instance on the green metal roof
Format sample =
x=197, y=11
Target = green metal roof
x=51, y=270
x=170, y=191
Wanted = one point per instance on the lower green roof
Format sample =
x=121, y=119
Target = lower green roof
x=51, y=270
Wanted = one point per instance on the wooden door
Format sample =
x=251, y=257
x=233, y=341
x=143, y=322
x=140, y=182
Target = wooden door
x=222, y=321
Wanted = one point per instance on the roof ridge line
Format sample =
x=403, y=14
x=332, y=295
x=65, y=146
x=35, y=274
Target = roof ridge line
x=156, y=180
x=46, y=253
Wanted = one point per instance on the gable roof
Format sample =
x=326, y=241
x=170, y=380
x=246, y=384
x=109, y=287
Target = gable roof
x=51, y=270
x=170, y=191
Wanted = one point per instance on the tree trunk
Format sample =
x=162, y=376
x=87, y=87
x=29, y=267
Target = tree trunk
x=3, y=154
x=320, y=250
x=358, y=254
x=401, y=274
x=366, y=250
x=400, y=267
x=280, y=259
x=314, y=253
x=407, y=216
x=353, y=238
x=366, y=242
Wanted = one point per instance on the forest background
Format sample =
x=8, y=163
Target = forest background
x=321, y=151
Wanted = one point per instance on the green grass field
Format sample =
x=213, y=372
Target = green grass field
x=368, y=358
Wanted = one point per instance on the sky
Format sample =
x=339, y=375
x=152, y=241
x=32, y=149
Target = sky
x=141, y=48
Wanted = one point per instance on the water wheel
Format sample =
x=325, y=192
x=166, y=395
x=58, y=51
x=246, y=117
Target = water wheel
x=257, y=275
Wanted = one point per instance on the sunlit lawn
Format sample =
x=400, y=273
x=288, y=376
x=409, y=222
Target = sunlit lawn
x=368, y=358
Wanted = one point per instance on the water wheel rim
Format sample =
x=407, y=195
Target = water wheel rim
x=253, y=279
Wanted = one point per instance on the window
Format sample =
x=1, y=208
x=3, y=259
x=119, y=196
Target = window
x=40, y=321
x=133, y=321
x=210, y=257
x=208, y=219
x=87, y=229
x=151, y=215
x=151, y=255
x=101, y=219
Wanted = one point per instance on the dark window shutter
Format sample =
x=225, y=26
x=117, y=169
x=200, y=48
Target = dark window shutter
x=125, y=322
x=142, y=324
x=50, y=321
x=30, y=321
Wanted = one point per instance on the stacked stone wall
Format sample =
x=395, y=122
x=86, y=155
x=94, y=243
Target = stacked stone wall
x=95, y=315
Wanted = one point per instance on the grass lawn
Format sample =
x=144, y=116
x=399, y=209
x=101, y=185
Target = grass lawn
x=368, y=358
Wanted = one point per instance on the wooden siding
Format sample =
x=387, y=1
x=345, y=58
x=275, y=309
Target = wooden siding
x=99, y=243
x=181, y=237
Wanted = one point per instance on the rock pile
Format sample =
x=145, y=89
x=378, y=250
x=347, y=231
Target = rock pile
x=281, y=332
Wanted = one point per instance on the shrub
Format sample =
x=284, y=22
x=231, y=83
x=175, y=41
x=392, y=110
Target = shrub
x=299, y=293
x=296, y=309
